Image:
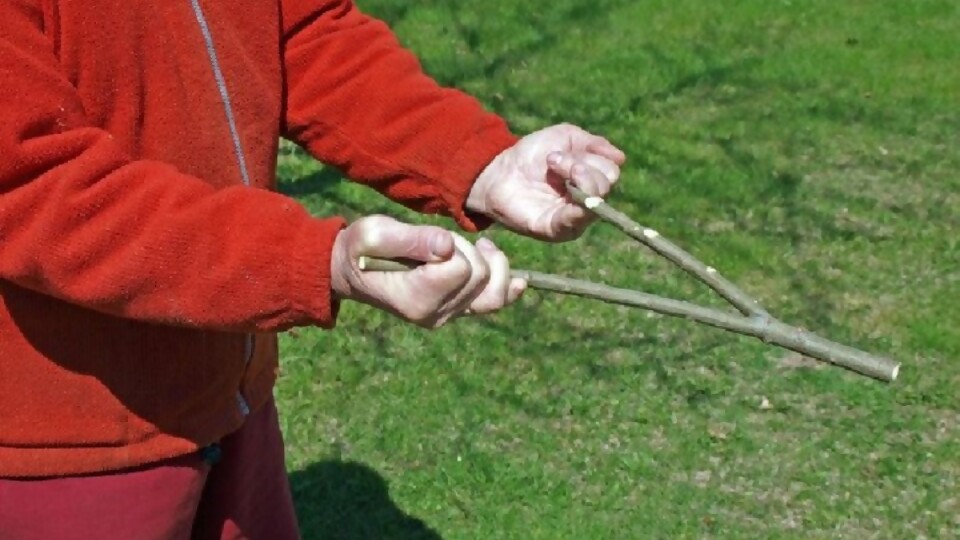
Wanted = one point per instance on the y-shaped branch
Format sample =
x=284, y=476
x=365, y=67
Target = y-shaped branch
x=754, y=321
x=670, y=251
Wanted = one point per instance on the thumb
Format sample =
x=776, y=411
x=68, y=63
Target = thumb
x=386, y=237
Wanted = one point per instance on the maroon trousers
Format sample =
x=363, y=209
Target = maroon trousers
x=243, y=495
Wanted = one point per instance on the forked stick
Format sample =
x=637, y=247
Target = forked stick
x=753, y=321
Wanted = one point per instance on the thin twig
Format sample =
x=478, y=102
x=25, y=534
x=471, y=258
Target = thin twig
x=754, y=321
x=670, y=251
x=763, y=327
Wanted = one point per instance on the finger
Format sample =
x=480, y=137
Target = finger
x=610, y=170
x=597, y=144
x=515, y=289
x=494, y=295
x=591, y=180
x=431, y=294
x=382, y=236
x=562, y=163
x=581, y=139
x=601, y=146
x=457, y=282
x=479, y=276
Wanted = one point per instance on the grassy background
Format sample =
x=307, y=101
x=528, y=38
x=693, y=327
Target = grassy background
x=808, y=149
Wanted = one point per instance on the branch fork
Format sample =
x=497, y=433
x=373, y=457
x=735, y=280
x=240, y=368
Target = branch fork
x=752, y=320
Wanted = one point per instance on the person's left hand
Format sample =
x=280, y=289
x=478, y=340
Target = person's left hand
x=523, y=187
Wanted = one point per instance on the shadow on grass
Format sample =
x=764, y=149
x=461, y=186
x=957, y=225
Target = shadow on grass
x=321, y=182
x=331, y=191
x=341, y=500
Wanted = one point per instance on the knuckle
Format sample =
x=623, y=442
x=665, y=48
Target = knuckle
x=372, y=237
x=381, y=229
x=613, y=172
x=460, y=269
x=500, y=261
x=482, y=273
x=371, y=230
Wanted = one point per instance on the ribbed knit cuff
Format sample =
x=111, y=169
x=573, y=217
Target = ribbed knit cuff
x=466, y=165
x=311, y=286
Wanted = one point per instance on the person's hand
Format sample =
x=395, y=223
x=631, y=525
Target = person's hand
x=523, y=187
x=457, y=278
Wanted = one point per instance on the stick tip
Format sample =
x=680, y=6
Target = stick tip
x=362, y=262
x=895, y=372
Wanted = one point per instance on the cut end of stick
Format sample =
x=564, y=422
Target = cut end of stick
x=362, y=262
x=895, y=372
x=592, y=202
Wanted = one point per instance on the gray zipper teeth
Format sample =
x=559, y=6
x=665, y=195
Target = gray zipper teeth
x=222, y=87
x=237, y=147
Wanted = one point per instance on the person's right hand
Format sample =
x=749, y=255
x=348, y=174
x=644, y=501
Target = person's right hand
x=457, y=278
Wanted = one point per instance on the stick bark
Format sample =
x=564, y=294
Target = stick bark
x=753, y=319
x=761, y=326
x=670, y=251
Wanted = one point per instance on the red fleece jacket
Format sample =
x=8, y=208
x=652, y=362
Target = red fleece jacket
x=140, y=240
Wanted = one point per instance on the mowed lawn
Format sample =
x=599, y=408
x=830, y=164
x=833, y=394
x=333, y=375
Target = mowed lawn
x=808, y=149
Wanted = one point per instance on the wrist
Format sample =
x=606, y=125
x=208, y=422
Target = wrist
x=339, y=267
x=478, y=199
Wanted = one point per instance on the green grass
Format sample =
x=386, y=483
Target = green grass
x=808, y=149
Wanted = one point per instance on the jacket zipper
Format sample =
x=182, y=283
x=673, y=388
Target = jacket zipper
x=237, y=147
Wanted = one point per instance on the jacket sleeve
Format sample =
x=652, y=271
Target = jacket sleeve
x=83, y=222
x=357, y=100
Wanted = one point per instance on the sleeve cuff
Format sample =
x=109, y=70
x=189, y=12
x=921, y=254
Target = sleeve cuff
x=466, y=165
x=311, y=285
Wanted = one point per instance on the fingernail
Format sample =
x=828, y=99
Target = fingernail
x=554, y=158
x=441, y=245
x=486, y=245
